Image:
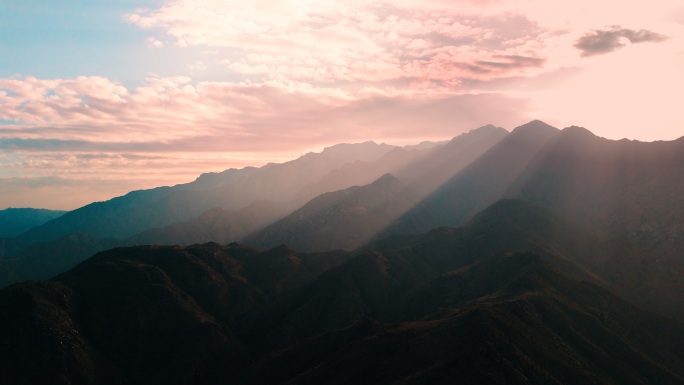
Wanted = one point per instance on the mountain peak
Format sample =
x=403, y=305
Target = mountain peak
x=577, y=131
x=485, y=130
x=386, y=180
x=535, y=127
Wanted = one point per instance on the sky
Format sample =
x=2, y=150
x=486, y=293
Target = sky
x=98, y=98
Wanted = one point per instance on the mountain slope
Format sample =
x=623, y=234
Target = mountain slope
x=451, y=305
x=138, y=211
x=505, y=320
x=478, y=185
x=369, y=284
x=423, y=168
x=14, y=222
x=343, y=219
x=628, y=194
x=145, y=315
x=46, y=259
x=214, y=225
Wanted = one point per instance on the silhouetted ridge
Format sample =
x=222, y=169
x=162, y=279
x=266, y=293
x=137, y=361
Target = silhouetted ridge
x=15, y=221
x=488, y=129
x=578, y=131
x=535, y=127
x=479, y=184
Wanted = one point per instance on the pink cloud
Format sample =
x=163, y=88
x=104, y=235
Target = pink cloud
x=345, y=41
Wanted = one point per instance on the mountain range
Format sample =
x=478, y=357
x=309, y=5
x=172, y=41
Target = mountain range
x=16, y=221
x=539, y=256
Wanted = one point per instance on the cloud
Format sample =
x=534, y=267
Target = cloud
x=153, y=42
x=169, y=114
x=599, y=42
x=350, y=41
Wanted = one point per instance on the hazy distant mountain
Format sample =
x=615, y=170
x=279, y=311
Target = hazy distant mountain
x=214, y=225
x=14, y=222
x=430, y=172
x=47, y=259
x=138, y=211
x=451, y=305
x=349, y=218
x=478, y=183
x=344, y=219
x=423, y=167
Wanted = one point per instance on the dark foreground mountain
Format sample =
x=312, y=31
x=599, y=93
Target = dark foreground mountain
x=14, y=222
x=505, y=320
x=145, y=315
x=448, y=306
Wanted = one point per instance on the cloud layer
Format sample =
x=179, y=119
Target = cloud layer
x=351, y=41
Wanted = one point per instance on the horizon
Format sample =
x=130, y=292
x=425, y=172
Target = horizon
x=319, y=151
x=99, y=99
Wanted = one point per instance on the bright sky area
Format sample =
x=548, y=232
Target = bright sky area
x=98, y=98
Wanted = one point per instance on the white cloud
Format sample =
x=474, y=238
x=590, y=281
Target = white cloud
x=153, y=42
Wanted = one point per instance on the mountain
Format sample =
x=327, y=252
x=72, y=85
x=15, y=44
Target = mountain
x=509, y=319
x=349, y=218
x=214, y=225
x=138, y=211
x=429, y=172
x=46, y=259
x=14, y=222
x=477, y=184
x=383, y=272
x=145, y=315
x=628, y=195
x=345, y=219
x=451, y=305
x=423, y=167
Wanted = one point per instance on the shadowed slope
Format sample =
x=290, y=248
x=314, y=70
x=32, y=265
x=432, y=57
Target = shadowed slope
x=343, y=219
x=505, y=320
x=14, y=222
x=46, y=259
x=369, y=284
x=628, y=195
x=215, y=225
x=424, y=169
x=145, y=315
x=480, y=184
x=452, y=305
